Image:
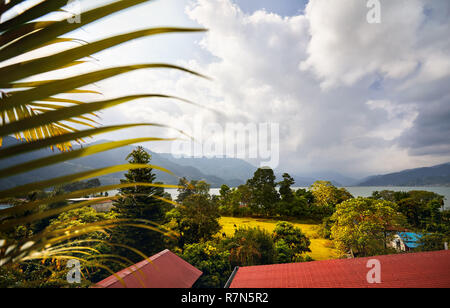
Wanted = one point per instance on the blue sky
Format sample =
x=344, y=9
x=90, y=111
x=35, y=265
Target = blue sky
x=281, y=7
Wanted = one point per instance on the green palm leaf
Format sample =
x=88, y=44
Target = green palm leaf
x=37, y=66
x=55, y=159
x=53, y=31
x=33, y=111
x=40, y=144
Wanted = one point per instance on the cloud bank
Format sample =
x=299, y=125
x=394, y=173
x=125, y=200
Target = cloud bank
x=349, y=96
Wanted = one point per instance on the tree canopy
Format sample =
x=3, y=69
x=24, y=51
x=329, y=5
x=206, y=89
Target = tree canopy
x=264, y=193
x=362, y=225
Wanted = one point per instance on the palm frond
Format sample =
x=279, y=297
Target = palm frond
x=32, y=111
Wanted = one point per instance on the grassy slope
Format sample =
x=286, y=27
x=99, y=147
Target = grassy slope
x=319, y=247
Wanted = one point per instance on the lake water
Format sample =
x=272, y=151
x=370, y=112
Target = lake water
x=362, y=191
x=354, y=190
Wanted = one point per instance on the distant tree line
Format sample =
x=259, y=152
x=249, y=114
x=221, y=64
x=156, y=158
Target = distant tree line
x=260, y=197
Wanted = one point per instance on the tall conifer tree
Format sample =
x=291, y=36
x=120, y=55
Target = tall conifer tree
x=139, y=202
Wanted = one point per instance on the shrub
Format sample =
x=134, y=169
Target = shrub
x=284, y=252
x=250, y=246
x=432, y=242
x=292, y=236
x=213, y=261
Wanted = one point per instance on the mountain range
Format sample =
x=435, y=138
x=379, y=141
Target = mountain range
x=216, y=171
x=438, y=175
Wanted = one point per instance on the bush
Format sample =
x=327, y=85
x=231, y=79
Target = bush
x=250, y=246
x=213, y=261
x=196, y=220
x=433, y=242
x=292, y=236
x=325, y=228
x=284, y=252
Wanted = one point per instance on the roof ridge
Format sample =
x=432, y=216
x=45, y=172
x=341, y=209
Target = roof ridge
x=132, y=268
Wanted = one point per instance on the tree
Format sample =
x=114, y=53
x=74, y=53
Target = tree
x=306, y=194
x=251, y=246
x=325, y=228
x=298, y=207
x=285, y=188
x=196, y=220
x=431, y=218
x=326, y=194
x=40, y=225
x=264, y=193
x=285, y=207
x=293, y=237
x=241, y=201
x=139, y=203
x=284, y=253
x=342, y=195
x=224, y=192
x=421, y=208
x=326, y=197
x=187, y=189
x=433, y=242
x=212, y=260
x=225, y=200
x=184, y=189
x=362, y=225
x=389, y=195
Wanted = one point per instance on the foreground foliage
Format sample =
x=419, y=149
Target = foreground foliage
x=212, y=260
x=43, y=113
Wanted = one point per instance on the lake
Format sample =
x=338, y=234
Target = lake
x=4, y=206
x=362, y=191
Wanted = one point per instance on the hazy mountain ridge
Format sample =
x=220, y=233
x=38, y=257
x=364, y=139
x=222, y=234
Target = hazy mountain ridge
x=426, y=176
x=216, y=171
x=191, y=168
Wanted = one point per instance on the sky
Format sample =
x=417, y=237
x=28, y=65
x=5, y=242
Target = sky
x=348, y=96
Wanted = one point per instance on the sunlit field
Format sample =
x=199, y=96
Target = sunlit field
x=320, y=248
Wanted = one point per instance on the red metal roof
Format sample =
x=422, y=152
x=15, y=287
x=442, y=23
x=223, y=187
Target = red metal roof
x=165, y=270
x=410, y=270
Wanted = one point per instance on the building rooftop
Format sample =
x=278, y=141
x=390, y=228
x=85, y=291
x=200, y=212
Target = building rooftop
x=411, y=270
x=164, y=270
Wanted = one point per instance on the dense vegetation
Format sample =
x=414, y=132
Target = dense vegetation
x=357, y=226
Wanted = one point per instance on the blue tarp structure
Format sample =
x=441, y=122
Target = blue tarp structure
x=410, y=239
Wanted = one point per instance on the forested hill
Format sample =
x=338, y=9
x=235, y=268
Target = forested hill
x=436, y=175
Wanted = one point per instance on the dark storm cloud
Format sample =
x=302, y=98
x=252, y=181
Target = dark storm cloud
x=431, y=131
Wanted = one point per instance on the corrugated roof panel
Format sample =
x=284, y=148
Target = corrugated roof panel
x=412, y=270
x=165, y=270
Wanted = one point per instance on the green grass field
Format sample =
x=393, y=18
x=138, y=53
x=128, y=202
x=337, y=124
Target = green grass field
x=320, y=248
